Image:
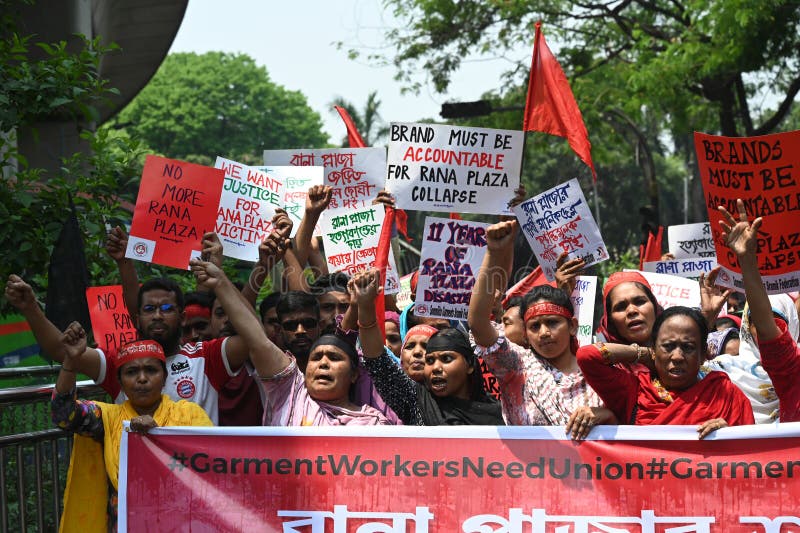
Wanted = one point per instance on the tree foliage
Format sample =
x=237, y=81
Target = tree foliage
x=200, y=106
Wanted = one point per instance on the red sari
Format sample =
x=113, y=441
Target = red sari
x=634, y=399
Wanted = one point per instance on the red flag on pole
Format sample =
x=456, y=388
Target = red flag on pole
x=524, y=286
x=382, y=263
x=550, y=106
x=354, y=138
x=652, y=251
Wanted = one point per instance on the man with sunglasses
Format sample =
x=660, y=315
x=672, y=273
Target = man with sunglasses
x=195, y=371
x=298, y=315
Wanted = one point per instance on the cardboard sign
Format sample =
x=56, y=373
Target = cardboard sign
x=449, y=479
x=685, y=268
x=764, y=172
x=351, y=242
x=437, y=167
x=559, y=220
x=452, y=252
x=403, y=297
x=246, y=207
x=673, y=290
x=177, y=204
x=691, y=240
x=582, y=298
x=111, y=324
x=296, y=182
x=356, y=174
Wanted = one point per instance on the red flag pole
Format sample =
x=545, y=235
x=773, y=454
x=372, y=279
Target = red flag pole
x=381, y=263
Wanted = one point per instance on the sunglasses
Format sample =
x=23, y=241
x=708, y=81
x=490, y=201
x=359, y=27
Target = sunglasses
x=307, y=323
x=165, y=309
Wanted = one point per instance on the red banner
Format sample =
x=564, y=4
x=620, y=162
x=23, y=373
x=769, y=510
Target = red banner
x=470, y=479
x=765, y=173
x=177, y=204
x=111, y=324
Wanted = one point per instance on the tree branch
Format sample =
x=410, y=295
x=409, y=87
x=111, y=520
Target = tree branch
x=783, y=109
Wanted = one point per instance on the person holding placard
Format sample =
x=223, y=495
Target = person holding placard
x=543, y=385
x=674, y=392
x=452, y=392
x=90, y=496
x=780, y=356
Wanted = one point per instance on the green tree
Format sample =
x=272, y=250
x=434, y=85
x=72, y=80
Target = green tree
x=45, y=82
x=369, y=122
x=199, y=106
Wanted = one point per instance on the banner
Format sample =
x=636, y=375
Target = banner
x=296, y=182
x=690, y=267
x=476, y=479
x=351, y=242
x=452, y=253
x=763, y=172
x=436, y=167
x=246, y=207
x=691, y=240
x=356, y=174
x=559, y=220
x=673, y=290
x=111, y=324
x=177, y=204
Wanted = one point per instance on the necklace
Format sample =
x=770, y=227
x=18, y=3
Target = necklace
x=663, y=393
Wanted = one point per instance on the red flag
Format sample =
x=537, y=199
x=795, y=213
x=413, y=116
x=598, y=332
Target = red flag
x=382, y=263
x=550, y=106
x=524, y=286
x=652, y=252
x=354, y=138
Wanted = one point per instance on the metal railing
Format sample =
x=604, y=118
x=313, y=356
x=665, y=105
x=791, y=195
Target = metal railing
x=34, y=456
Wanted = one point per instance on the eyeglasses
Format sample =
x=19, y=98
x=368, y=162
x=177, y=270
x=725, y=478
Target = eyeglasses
x=307, y=323
x=165, y=309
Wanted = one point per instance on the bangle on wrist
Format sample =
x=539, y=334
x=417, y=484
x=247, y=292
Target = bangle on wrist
x=604, y=352
x=367, y=326
x=639, y=352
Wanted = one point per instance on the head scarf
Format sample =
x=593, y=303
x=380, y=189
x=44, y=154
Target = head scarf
x=332, y=340
x=718, y=339
x=391, y=316
x=735, y=319
x=196, y=310
x=606, y=328
x=420, y=329
x=139, y=350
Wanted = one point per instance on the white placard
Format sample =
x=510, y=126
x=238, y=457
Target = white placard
x=296, y=182
x=673, y=290
x=436, y=167
x=351, y=242
x=685, y=268
x=246, y=207
x=582, y=298
x=691, y=240
x=452, y=252
x=356, y=174
x=559, y=220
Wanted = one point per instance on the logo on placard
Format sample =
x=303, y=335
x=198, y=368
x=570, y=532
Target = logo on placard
x=423, y=309
x=140, y=249
x=185, y=388
x=724, y=276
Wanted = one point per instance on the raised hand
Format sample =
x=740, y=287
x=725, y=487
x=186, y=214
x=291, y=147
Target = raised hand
x=318, y=199
x=281, y=223
x=711, y=296
x=19, y=293
x=741, y=236
x=366, y=285
x=567, y=271
x=501, y=236
x=384, y=197
x=116, y=244
x=212, y=248
x=207, y=273
x=73, y=340
x=273, y=248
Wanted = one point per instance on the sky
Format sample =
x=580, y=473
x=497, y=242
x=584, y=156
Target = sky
x=295, y=42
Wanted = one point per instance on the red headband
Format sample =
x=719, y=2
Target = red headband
x=547, y=308
x=419, y=329
x=139, y=350
x=196, y=310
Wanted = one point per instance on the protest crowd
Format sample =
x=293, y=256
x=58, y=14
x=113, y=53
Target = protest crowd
x=333, y=345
